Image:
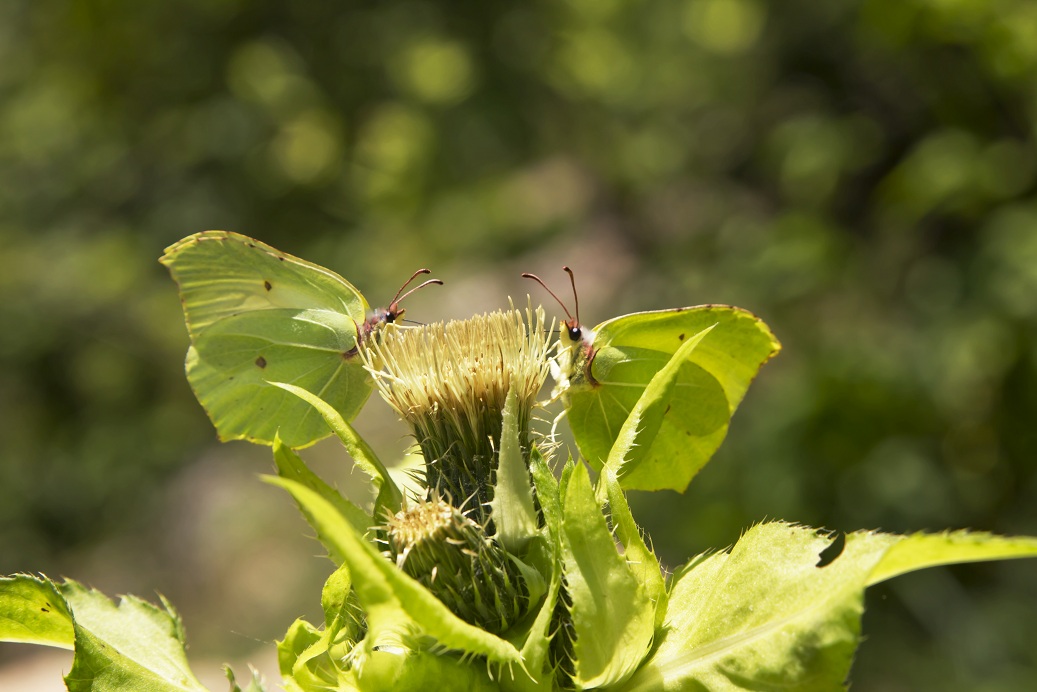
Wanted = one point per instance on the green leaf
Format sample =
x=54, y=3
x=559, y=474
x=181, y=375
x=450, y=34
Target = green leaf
x=389, y=495
x=386, y=671
x=341, y=610
x=766, y=616
x=537, y=644
x=290, y=466
x=392, y=600
x=549, y=496
x=32, y=611
x=639, y=557
x=300, y=636
x=545, y=554
x=511, y=508
x=304, y=659
x=904, y=554
x=314, y=660
x=255, y=683
x=130, y=646
x=629, y=458
x=612, y=616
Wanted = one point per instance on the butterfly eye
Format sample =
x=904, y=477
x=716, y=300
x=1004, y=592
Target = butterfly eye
x=575, y=333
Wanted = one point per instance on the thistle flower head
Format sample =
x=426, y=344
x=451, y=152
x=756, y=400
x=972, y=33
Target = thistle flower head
x=450, y=381
x=452, y=556
x=462, y=364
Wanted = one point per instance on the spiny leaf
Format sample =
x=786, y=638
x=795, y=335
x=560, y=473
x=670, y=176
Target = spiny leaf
x=767, y=616
x=290, y=466
x=132, y=645
x=355, y=445
x=512, y=505
x=32, y=611
x=255, y=683
x=908, y=553
x=390, y=597
x=611, y=613
x=641, y=559
x=642, y=424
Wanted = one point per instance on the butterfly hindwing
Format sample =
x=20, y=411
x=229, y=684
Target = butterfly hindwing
x=733, y=353
x=242, y=405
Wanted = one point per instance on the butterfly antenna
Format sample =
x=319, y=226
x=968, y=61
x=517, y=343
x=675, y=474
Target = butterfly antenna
x=576, y=296
x=408, y=281
x=398, y=297
x=541, y=282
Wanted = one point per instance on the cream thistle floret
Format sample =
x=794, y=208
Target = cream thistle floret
x=450, y=380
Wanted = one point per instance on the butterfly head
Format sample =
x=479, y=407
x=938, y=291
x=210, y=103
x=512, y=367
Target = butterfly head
x=573, y=330
x=380, y=317
x=576, y=332
x=576, y=352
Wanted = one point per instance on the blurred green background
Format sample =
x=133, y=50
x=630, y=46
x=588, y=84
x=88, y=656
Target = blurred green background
x=861, y=174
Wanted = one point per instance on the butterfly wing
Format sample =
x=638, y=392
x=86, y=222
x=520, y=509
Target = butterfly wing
x=256, y=315
x=628, y=351
x=221, y=274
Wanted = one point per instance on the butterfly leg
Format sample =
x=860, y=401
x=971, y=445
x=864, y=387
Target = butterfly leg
x=554, y=424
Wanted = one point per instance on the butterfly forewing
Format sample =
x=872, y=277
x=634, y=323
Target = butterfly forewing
x=733, y=353
x=221, y=274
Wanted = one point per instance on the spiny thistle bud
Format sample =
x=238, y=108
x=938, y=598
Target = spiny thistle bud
x=452, y=557
x=450, y=383
x=563, y=639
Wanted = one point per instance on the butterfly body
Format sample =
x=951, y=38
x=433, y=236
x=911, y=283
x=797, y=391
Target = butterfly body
x=379, y=317
x=601, y=375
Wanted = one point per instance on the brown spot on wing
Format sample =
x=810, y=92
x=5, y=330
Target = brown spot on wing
x=267, y=285
x=680, y=337
x=261, y=362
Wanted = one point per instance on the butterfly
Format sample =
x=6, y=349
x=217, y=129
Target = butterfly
x=257, y=315
x=601, y=374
